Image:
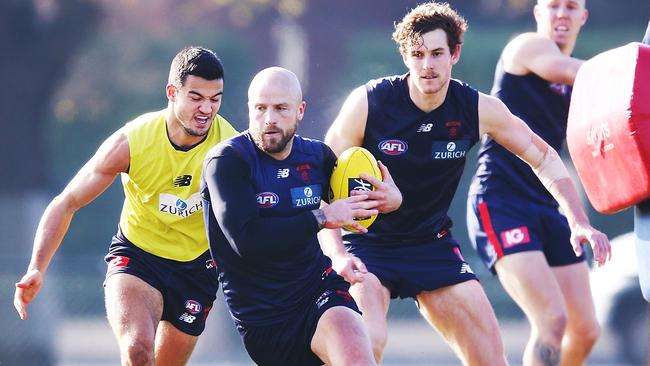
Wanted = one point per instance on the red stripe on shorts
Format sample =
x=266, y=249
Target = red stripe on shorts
x=489, y=230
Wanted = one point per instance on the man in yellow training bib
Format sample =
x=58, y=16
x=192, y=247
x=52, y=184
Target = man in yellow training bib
x=160, y=282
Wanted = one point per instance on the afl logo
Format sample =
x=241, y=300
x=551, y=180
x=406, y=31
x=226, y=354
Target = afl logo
x=393, y=147
x=267, y=199
x=192, y=307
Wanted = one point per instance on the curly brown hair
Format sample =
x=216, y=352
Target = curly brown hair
x=429, y=17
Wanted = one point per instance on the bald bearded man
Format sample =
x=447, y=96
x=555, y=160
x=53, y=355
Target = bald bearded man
x=262, y=191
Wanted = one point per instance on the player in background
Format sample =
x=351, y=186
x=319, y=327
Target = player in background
x=160, y=282
x=517, y=226
x=421, y=125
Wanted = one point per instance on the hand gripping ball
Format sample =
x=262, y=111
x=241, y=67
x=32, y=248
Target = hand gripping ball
x=345, y=177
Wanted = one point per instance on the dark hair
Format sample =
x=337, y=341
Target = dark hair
x=197, y=61
x=429, y=17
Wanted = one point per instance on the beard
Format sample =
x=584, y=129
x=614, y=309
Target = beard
x=276, y=144
x=186, y=120
x=196, y=132
x=193, y=132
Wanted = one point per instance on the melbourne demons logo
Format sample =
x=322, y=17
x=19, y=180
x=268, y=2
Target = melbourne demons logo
x=267, y=199
x=304, y=172
x=393, y=147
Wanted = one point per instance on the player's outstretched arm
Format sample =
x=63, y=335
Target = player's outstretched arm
x=534, y=53
x=93, y=178
x=513, y=134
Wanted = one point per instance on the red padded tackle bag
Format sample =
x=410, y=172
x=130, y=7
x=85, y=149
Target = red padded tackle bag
x=608, y=131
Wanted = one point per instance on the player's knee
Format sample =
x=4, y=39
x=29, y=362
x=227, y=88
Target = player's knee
x=590, y=334
x=138, y=353
x=586, y=332
x=554, y=324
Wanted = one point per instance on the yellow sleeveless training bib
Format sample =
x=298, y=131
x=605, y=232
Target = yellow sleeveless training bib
x=163, y=211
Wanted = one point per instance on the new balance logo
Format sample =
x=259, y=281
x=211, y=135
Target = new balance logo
x=465, y=268
x=182, y=181
x=187, y=318
x=323, y=298
x=425, y=127
x=283, y=173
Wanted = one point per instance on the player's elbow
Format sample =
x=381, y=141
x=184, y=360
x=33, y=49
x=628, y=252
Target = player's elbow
x=65, y=202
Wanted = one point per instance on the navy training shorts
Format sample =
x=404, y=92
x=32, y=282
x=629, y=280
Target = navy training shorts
x=289, y=343
x=188, y=288
x=408, y=267
x=500, y=225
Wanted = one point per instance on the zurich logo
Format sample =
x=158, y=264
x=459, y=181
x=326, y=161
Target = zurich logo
x=267, y=199
x=450, y=149
x=180, y=204
x=393, y=147
x=308, y=192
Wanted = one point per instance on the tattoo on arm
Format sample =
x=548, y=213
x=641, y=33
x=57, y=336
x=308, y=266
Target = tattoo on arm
x=320, y=218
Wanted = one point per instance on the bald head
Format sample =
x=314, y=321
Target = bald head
x=275, y=107
x=276, y=80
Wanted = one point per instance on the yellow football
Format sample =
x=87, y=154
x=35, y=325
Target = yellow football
x=345, y=177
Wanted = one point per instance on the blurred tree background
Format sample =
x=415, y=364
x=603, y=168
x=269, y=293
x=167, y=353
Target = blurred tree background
x=76, y=70
x=107, y=61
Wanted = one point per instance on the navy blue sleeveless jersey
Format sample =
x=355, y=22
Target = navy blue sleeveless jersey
x=260, y=228
x=544, y=107
x=425, y=153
